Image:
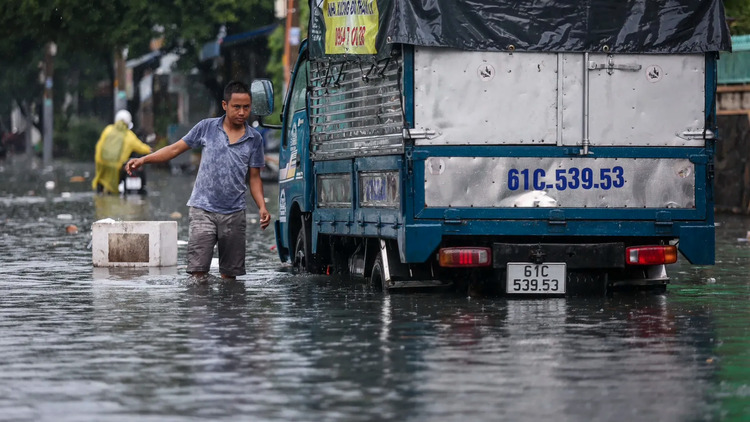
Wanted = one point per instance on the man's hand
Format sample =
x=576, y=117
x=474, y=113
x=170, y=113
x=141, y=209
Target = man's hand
x=133, y=165
x=265, y=218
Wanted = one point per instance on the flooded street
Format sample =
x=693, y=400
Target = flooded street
x=85, y=344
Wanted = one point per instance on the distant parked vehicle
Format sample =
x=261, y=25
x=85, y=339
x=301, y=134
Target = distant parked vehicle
x=135, y=184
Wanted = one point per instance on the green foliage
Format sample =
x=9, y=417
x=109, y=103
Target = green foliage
x=87, y=32
x=275, y=68
x=738, y=14
x=19, y=77
x=76, y=138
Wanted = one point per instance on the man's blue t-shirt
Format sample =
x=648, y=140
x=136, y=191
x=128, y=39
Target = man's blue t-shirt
x=223, y=173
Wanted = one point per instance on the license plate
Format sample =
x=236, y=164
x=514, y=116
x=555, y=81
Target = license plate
x=526, y=278
x=133, y=183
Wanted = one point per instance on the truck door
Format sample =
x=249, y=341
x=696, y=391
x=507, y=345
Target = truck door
x=634, y=100
x=294, y=190
x=642, y=115
x=294, y=143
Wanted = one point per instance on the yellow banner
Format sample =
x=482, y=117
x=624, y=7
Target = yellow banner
x=351, y=26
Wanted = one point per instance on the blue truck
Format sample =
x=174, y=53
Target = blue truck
x=534, y=147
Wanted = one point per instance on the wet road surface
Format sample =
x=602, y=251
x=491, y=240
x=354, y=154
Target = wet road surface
x=85, y=344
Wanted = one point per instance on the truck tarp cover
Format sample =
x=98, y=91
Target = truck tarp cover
x=369, y=27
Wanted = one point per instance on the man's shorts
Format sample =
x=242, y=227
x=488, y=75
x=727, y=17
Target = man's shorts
x=208, y=228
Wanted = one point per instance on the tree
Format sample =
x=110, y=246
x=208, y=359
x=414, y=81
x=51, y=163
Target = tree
x=275, y=67
x=87, y=35
x=738, y=12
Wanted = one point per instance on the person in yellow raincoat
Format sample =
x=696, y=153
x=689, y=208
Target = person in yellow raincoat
x=113, y=149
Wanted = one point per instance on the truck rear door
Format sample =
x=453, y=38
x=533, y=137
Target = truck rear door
x=507, y=130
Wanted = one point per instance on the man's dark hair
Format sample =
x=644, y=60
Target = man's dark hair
x=235, y=87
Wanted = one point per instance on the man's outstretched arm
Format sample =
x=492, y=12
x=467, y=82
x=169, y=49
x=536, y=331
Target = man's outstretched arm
x=161, y=155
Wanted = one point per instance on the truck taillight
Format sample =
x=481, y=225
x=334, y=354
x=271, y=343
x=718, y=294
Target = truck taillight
x=651, y=255
x=464, y=257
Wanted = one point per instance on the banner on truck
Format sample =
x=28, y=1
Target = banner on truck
x=345, y=29
x=351, y=26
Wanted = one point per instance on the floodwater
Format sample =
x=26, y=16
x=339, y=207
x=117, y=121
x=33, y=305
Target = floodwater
x=85, y=344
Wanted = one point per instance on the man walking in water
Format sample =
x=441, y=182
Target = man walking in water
x=231, y=159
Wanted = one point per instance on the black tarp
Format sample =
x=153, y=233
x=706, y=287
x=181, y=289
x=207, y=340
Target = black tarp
x=616, y=26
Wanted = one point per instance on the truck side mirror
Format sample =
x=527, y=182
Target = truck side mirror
x=261, y=92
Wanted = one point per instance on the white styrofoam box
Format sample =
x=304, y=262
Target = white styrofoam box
x=134, y=243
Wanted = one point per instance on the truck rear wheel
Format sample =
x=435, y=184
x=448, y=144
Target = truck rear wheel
x=376, y=276
x=303, y=259
x=301, y=252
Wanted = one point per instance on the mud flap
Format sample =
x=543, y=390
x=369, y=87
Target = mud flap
x=397, y=275
x=283, y=252
x=697, y=244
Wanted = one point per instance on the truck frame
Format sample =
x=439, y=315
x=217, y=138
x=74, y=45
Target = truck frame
x=545, y=167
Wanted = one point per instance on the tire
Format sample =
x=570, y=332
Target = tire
x=303, y=260
x=300, y=257
x=377, y=277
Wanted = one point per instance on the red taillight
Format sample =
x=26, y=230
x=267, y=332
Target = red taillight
x=465, y=257
x=651, y=255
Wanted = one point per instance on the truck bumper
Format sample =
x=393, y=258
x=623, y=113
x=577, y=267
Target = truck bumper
x=576, y=256
x=590, y=267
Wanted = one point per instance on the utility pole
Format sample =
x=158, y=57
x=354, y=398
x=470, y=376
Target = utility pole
x=47, y=112
x=291, y=40
x=27, y=132
x=121, y=98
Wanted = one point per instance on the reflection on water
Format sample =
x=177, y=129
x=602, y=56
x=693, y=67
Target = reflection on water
x=126, y=208
x=82, y=343
x=130, y=273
